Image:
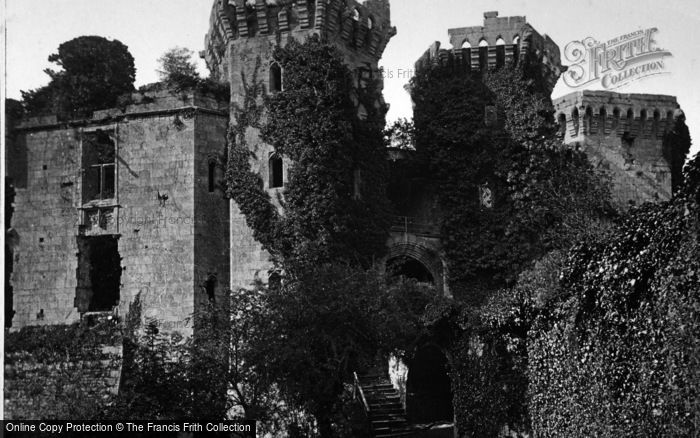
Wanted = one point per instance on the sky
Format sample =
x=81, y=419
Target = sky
x=149, y=28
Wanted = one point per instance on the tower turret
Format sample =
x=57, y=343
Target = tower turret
x=239, y=50
x=499, y=41
x=359, y=29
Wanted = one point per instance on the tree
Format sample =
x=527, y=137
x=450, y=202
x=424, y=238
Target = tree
x=95, y=73
x=333, y=320
x=177, y=67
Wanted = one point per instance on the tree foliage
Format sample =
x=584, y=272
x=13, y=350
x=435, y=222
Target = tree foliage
x=177, y=62
x=95, y=73
x=321, y=321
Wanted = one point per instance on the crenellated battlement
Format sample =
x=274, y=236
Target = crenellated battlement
x=500, y=41
x=605, y=113
x=624, y=134
x=362, y=27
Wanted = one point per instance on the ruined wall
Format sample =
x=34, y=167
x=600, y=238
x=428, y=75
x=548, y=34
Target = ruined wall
x=160, y=167
x=239, y=48
x=55, y=384
x=622, y=134
x=45, y=221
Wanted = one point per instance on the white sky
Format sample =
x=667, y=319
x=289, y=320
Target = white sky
x=149, y=28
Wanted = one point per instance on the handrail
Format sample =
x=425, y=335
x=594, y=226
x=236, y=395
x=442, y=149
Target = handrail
x=358, y=388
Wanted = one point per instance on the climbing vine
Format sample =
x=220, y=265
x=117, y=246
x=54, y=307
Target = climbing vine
x=243, y=185
x=497, y=131
x=616, y=353
x=538, y=185
x=334, y=203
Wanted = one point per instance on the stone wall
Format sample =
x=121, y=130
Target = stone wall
x=63, y=385
x=239, y=47
x=500, y=41
x=164, y=142
x=622, y=134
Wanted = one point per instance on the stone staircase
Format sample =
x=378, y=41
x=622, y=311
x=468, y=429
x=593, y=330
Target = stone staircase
x=386, y=413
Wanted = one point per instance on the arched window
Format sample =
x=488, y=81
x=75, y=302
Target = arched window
x=356, y=14
x=655, y=126
x=575, y=119
x=466, y=49
x=642, y=123
x=562, y=124
x=275, y=78
x=588, y=117
x=602, y=119
x=275, y=170
x=500, y=52
x=212, y=176
x=483, y=54
x=516, y=39
x=370, y=23
x=616, y=119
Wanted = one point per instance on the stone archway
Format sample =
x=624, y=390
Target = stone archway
x=416, y=261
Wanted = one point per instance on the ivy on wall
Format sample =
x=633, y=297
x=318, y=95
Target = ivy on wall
x=545, y=196
x=334, y=201
x=616, y=354
x=538, y=184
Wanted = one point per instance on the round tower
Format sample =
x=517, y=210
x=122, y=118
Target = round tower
x=243, y=34
x=239, y=50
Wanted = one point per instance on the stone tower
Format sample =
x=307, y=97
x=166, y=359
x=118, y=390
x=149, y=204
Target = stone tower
x=123, y=204
x=239, y=47
x=499, y=41
x=624, y=134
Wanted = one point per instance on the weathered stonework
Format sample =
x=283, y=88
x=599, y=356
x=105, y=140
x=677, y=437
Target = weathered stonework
x=38, y=390
x=623, y=134
x=239, y=49
x=171, y=232
x=500, y=41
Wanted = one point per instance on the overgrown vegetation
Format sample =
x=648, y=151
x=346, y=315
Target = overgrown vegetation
x=616, y=353
x=495, y=133
x=50, y=371
x=314, y=125
x=327, y=315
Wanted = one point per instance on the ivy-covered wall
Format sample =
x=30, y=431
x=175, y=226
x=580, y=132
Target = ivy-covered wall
x=616, y=353
x=61, y=372
x=334, y=205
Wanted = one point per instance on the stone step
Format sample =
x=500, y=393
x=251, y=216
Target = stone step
x=387, y=431
x=389, y=415
x=391, y=424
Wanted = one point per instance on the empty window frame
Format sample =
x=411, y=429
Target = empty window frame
x=99, y=166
